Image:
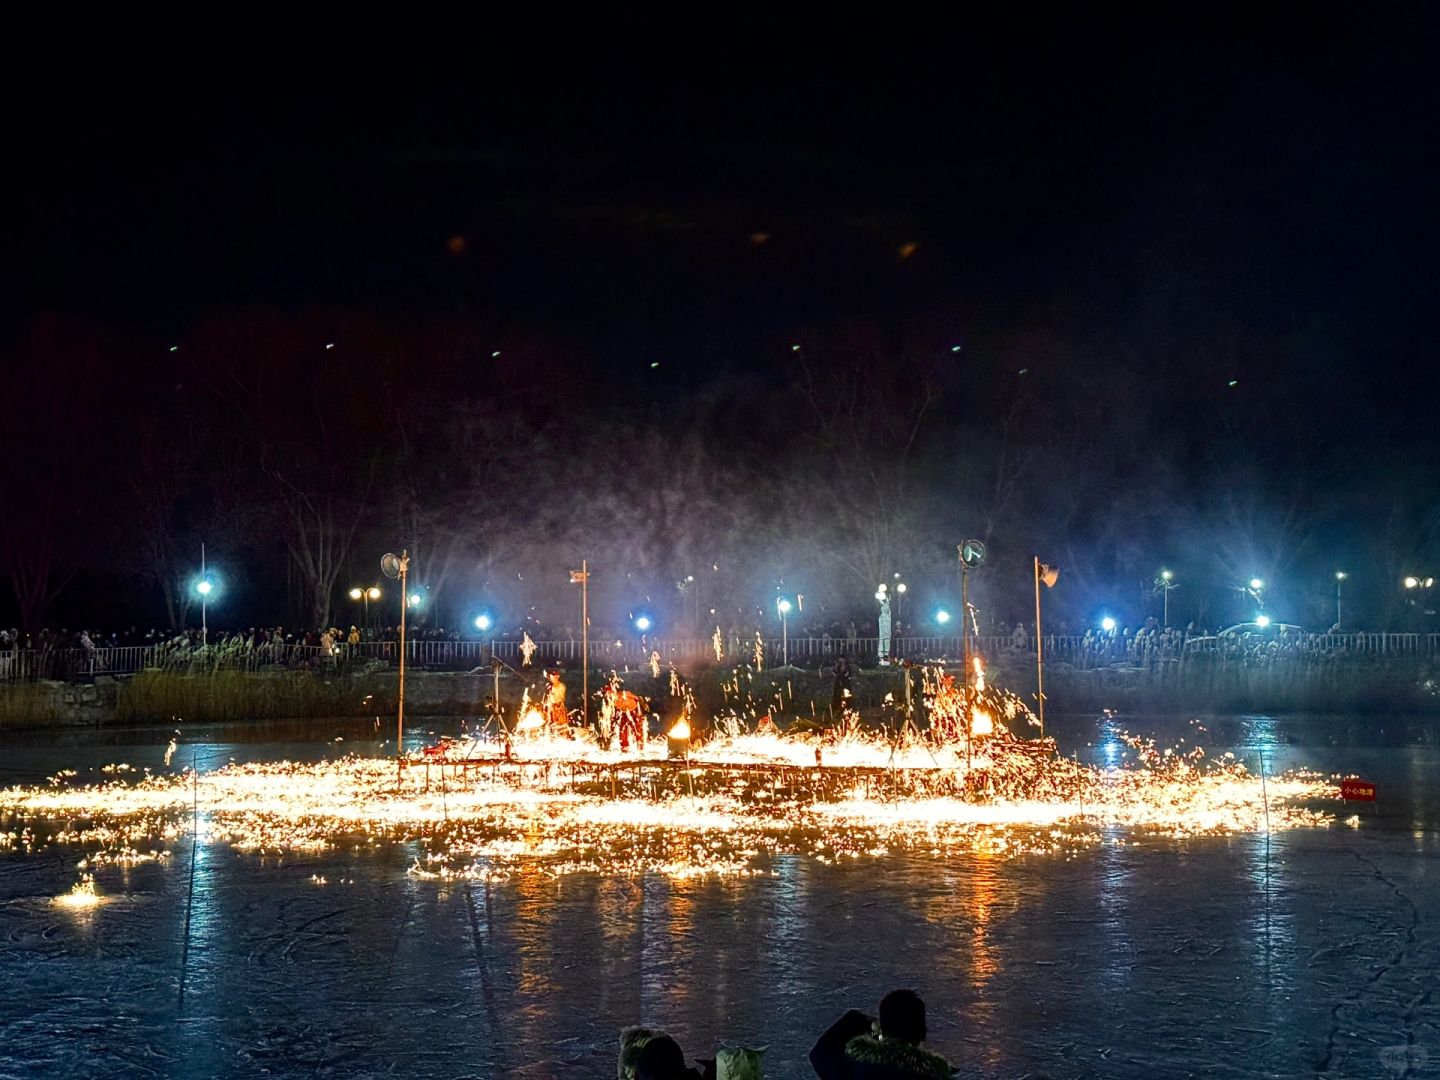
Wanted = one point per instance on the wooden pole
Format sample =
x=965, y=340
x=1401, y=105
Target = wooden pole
x=400, y=709
x=1039, y=652
x=585, y=642
x=965, y=716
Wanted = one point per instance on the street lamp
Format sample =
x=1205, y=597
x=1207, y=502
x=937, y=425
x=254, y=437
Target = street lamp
x=1165, y=582
x=942, y=616
x=1256, y=590
x=1340, y=577
x=1262, y=620
x=204, y=586
x=642, y=623
x=1107, y=624
x=782, y=605
x=361, y=594
x=483, y=622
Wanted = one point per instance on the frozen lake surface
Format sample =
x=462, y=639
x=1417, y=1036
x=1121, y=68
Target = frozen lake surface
x=1140, y=957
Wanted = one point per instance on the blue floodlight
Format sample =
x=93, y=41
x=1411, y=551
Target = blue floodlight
x=642, y=623
x=204, y=587
x=1262, y=621
x=483, y=622
x=1256, y=583
x=784, y=606
x=1107, y=624
x=942, y=616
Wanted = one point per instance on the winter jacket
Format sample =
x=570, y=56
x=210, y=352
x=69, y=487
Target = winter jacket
x=850, y=1051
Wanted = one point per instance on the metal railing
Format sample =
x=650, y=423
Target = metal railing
x=1086, y=651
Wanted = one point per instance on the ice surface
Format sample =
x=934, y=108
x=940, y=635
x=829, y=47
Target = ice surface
x=1152, y=958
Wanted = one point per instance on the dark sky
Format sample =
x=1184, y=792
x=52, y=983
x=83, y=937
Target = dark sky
x=608, y=181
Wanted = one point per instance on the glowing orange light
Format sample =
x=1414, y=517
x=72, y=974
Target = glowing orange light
x=981, y=723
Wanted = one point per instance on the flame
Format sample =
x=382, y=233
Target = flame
x=981, y=723
x=533, y=720
x=526, y=817
x=979, y=675
x=82, y=894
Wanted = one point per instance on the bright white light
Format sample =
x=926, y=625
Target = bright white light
x=416, y=599
x=1412, y=583
x=1166, y=575
x=356, y=593
x=1256, y=583
x=495, y=354
x=373, y=592
x=900, y=588
x=1340, y=575
x=954, y=348
x=204, y=587
x=942, y=616
x=1107, y=624
x=1262, y=621
x=482, y=622
x=329, y=345
x=642, y=623
x=784, y=606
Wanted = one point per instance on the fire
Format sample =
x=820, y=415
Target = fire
x=82, y=895
x=726, y=807
x=982, y=723
x=979, y=666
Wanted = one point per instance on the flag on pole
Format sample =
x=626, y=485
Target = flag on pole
x=1049, y=575
x=579, y=576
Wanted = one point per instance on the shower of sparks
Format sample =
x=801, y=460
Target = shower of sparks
x=718, y=644
x=728, y=807
x=82, y=897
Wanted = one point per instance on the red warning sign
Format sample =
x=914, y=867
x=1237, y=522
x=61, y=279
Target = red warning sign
x=1363, y=790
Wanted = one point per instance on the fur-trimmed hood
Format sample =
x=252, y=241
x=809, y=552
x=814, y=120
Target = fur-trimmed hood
x=881, y=1057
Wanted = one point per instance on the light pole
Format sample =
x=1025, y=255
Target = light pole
x=204, y=587
x=1340, y=577
x=581, y=577
x=1257, y=590
x=1165, y=582
x=783, y=605
x=360, y=594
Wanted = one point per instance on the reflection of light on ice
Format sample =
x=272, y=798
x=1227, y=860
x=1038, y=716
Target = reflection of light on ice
x=559, y=806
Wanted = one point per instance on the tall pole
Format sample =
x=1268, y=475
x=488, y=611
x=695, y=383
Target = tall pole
x=585, y=642
x=784, y=637
x=965, y=653
x=1339, y=581
x=204, y=595
x=1039, y=652
x=400, y=711
x=1166, y=626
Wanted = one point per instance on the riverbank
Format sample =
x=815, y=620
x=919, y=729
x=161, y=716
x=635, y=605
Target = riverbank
x=786, y=693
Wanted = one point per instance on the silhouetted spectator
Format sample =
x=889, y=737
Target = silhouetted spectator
x=854, y=1049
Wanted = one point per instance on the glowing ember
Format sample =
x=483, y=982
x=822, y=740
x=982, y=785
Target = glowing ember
x=729, y=806
x=82, y=896
x=981, y=723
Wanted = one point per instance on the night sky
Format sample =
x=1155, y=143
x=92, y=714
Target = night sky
x=1199, y=187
